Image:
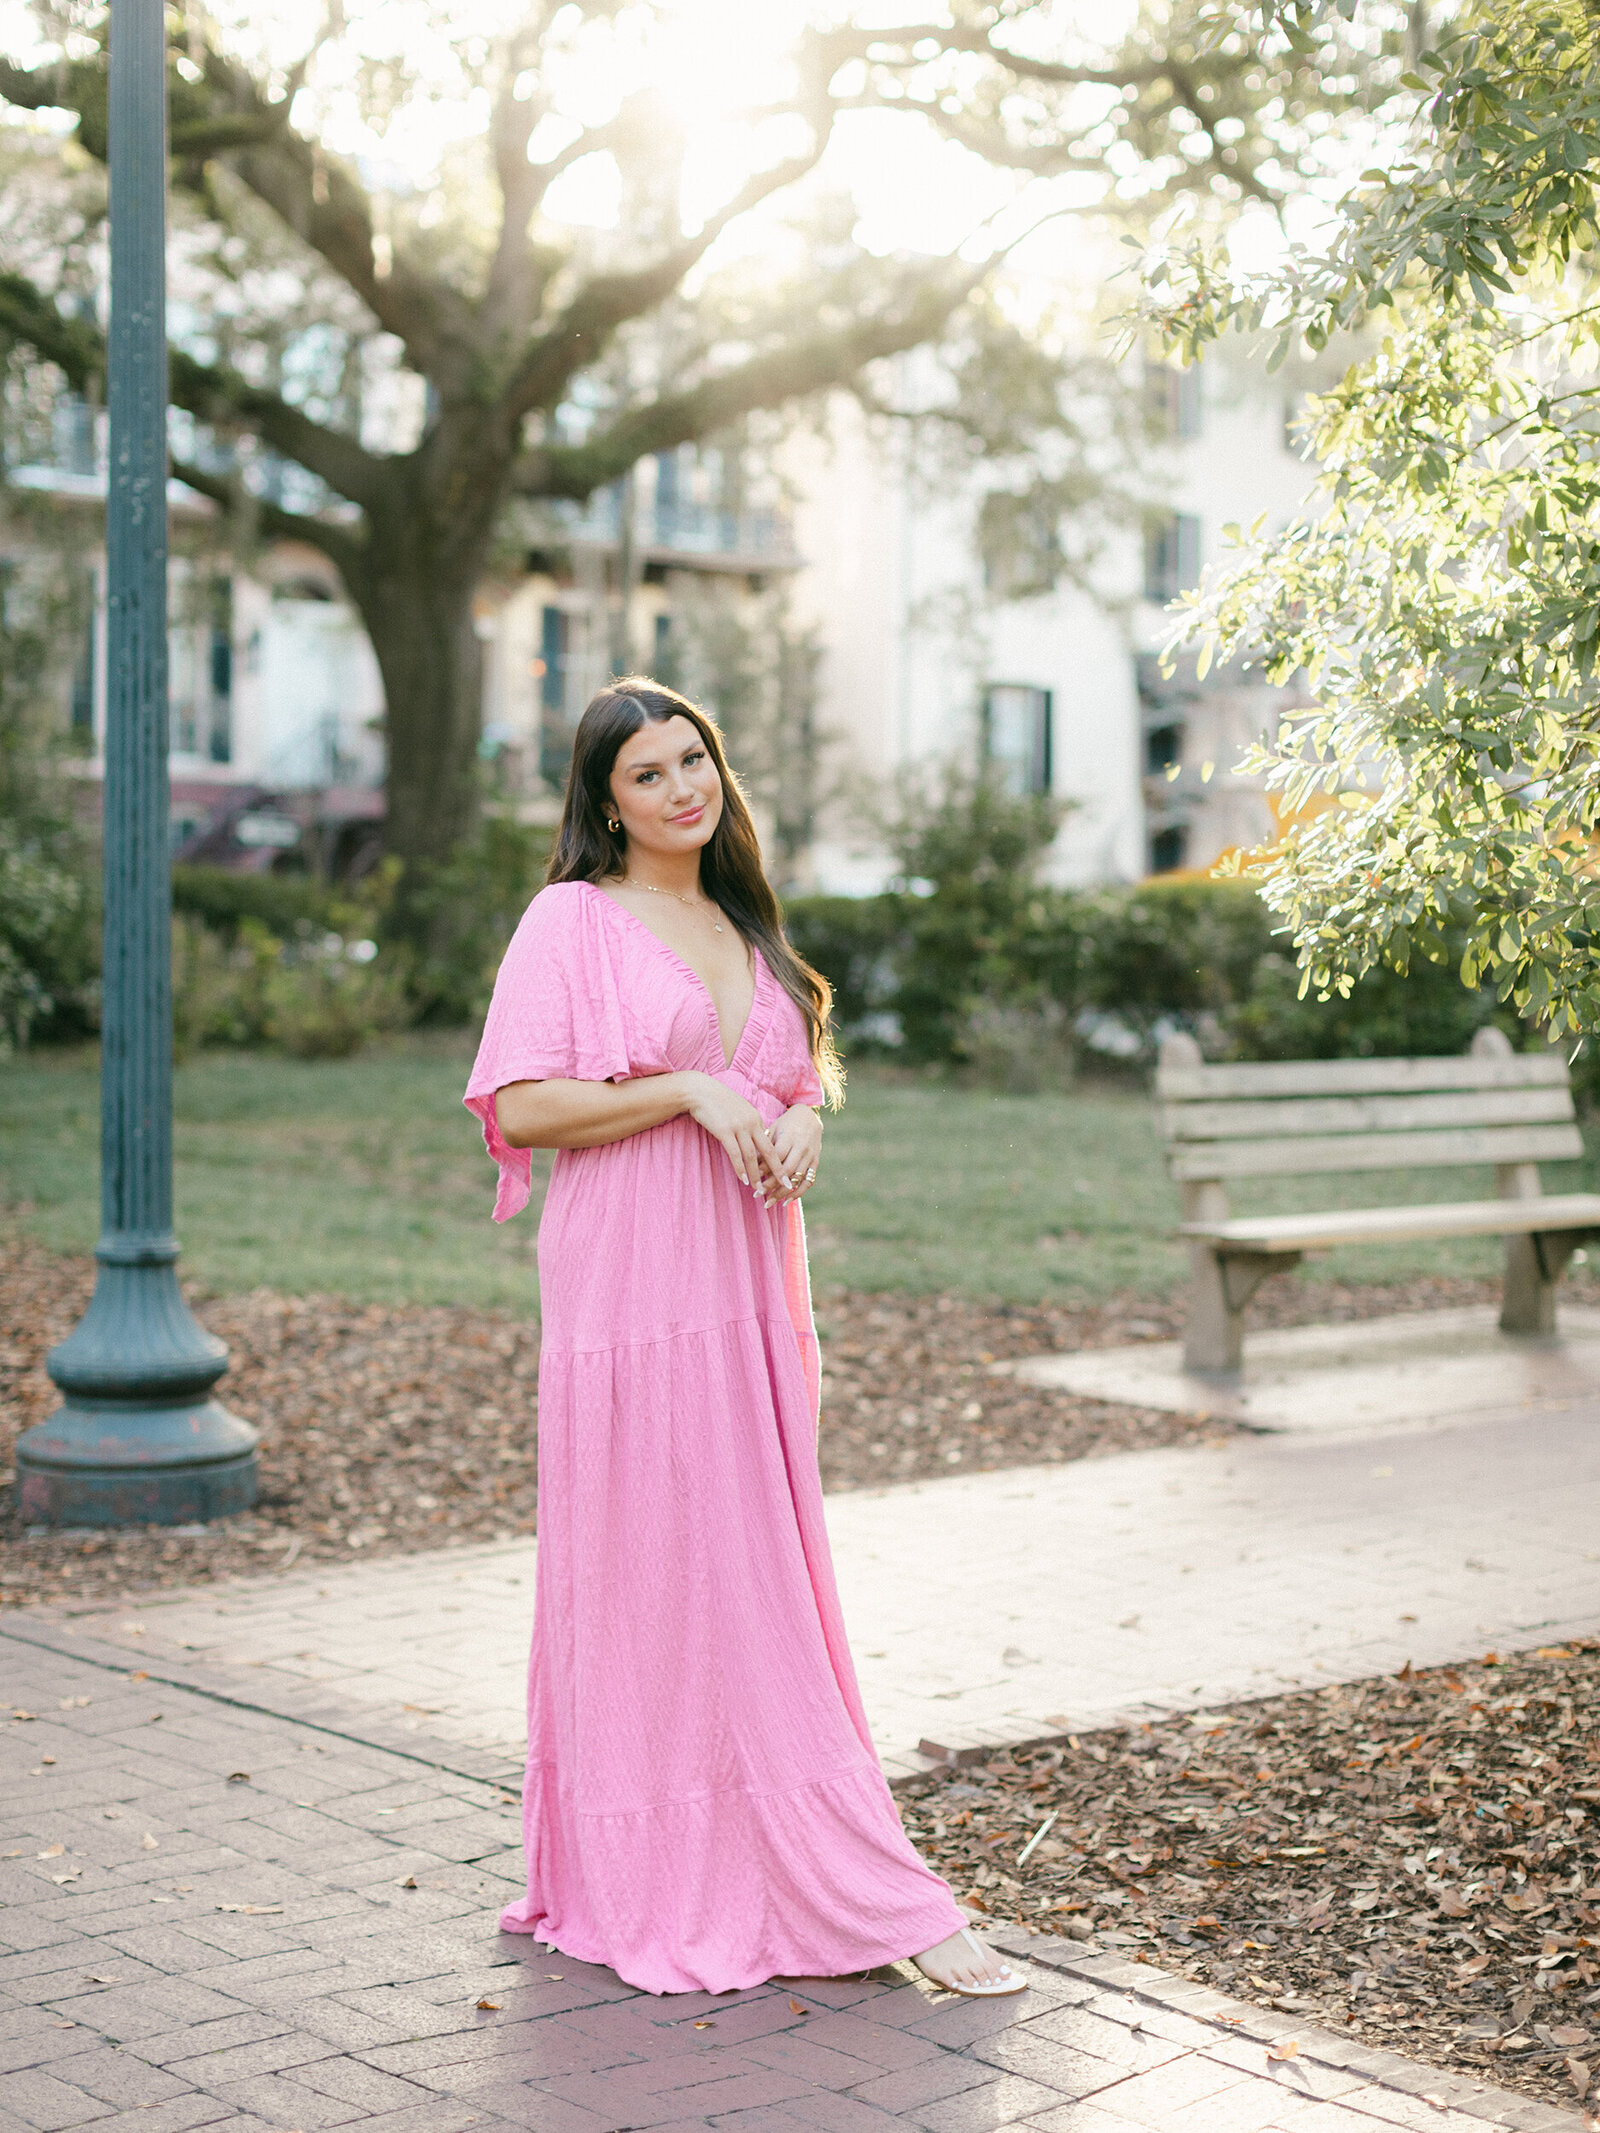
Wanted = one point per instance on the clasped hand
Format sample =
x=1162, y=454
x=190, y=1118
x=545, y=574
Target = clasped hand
x=777, y=1162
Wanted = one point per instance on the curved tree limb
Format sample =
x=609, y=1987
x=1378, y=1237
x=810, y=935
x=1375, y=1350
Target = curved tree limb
x=342, y=547
x=811, y=365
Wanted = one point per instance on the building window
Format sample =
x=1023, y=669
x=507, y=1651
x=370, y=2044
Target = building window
x=1163, y=749
x=1017, y=737
x=85, y=666
x=664, y=653
x=555, y=736
x=1169, y=848
x=219, y=745
x=1171, y=555
x=1174, y=405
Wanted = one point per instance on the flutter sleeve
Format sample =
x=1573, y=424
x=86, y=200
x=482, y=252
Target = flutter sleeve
x=556, y=1015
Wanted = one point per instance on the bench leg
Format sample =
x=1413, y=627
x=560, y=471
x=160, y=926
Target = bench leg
x=1534, y=1265
x=1213, y=1340
x=1220, y=1285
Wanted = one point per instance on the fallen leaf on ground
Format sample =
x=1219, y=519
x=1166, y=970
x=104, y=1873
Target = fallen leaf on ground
x=1285, y=2048
x=51, y=1851
x=149, y=1843
x=489, y=2006
x=254, y=1910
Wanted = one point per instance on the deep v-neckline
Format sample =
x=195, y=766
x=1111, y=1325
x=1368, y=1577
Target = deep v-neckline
x=757, y=967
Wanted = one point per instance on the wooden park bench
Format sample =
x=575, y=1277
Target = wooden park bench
x=1494, y=1105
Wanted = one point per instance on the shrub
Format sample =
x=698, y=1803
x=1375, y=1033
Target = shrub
x=1426, y=1011
x=463, y=914
x=281, y=904
x=49, y=876
x=320, y=996
x=858, y=943
x=1016, y=990
x=219, y=988
x=327, y=1006
x=47, y=945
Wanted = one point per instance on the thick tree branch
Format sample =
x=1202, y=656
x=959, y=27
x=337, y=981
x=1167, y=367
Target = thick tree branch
x=1066, y=150
x=509, y=295
x=608, y=301
x=206, y=390
x=312, y=192
x=897, y=47
x=75, y=346
x=322, y=201
x=337, y=543
x=811, y=365
x=218, y=395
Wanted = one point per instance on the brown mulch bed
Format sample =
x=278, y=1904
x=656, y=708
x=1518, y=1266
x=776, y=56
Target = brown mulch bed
x=1415, y=1860
x=389, y=1429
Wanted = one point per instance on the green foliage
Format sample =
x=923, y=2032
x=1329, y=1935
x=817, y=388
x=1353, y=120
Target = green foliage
x=45, y=958
x=1188, y=949
x=1442, y=597
x=1073, y=975
x=315, y=996
x=984, y=934
x=464, y=911
x=1425, y=1013
x=857, y=942
x=49, y=904
x=281, y=903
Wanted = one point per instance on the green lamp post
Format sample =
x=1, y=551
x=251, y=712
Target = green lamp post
x=138, y=1439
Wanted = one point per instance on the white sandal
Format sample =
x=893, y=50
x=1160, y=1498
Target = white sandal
x=1000, y=1988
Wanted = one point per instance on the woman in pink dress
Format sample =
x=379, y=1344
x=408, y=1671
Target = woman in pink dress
x=703, y=1809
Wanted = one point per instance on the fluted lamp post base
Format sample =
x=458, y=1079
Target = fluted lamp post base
x=138, y=1441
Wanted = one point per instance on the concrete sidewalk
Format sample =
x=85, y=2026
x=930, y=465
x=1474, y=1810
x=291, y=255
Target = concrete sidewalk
x=218, y=1917
x=992, y=1607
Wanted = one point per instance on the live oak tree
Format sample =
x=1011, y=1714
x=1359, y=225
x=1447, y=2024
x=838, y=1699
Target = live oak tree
x=1441, y=593
x=555, y=359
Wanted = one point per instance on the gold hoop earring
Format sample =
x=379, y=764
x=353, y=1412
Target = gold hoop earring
x=613, y=824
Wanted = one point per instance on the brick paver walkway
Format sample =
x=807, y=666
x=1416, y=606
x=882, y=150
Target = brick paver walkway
x=214, y=1916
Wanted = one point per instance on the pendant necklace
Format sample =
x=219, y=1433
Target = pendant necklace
x=701, y=904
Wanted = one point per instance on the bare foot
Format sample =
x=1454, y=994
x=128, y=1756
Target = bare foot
x=963, y=1964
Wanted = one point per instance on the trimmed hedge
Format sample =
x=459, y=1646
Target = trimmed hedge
x=946, y=979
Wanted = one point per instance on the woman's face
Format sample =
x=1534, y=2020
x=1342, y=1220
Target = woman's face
x=664, y=788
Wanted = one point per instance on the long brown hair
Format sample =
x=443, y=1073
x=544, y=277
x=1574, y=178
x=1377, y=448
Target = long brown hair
x=731, y=873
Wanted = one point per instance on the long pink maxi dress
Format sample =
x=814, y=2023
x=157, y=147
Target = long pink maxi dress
x=703, y=1808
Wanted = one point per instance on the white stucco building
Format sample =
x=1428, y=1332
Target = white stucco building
x=1063, y=691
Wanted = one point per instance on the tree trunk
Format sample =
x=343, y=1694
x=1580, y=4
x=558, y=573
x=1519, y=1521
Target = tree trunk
x=428, y=653
x=426, y=548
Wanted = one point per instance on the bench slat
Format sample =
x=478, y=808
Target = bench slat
x=1545, y=1068
x=1222, y=1121
x=1378, y=1151
x=1388, y=1225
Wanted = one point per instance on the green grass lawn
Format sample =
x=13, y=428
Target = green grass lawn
x=366, y=1178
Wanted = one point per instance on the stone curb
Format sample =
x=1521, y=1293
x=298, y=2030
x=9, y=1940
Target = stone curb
x=1266, y=2026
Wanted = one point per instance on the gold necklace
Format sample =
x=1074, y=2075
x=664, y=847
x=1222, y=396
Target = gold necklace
x=702, y=903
